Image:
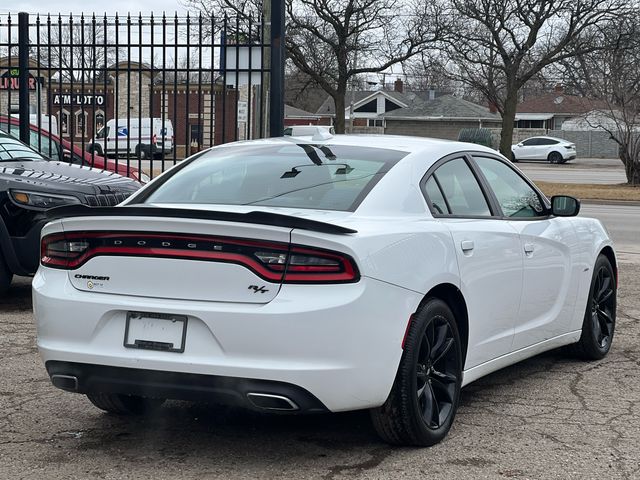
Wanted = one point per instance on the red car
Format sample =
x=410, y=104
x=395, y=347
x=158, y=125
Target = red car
x=59, y=149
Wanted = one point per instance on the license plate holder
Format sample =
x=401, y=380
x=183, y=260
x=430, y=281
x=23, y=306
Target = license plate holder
x=155, y=331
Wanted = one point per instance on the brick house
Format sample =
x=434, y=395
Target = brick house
x=550, y=110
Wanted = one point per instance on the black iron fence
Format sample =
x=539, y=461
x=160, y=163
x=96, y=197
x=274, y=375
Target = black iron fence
x=135, y=94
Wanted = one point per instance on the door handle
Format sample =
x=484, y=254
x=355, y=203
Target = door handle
x=466, y=245
x=529, y=248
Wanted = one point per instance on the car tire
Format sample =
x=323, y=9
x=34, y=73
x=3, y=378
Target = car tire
x=424, y=398
x=96, y=150
x=555, y=157
x=513, y=158
x=6, y=276
x=124, y=404
x=143, y=152
x=599, y=321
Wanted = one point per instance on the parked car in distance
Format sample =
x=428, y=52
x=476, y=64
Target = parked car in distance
x=553, y=150
x=29, y=185
x=354, y=272
x=59, y=149
x=143, y=137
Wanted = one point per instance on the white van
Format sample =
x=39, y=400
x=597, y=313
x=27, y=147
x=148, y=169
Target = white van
x=142, y=137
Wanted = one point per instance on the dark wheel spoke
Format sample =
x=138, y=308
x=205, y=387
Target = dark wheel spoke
x=605, y=322
x=434, y=419
x=444, y=377
x=442, y=392
x=438, y=355
x=604, y=285
x=606, y=296
x=597, y=327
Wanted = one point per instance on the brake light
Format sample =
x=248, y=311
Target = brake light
x=154, y=139
x=272, y=261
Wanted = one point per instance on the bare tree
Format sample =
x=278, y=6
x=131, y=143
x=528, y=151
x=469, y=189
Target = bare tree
x=611, y=74
x=79, y=49
x=502, y=44
x=334, y=41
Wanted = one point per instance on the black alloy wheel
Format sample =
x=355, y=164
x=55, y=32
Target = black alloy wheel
x=424, y=398
x=555, y=157
x=600, y=315
x=437, y=373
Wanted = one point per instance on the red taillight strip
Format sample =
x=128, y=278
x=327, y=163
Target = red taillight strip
x=345, y=270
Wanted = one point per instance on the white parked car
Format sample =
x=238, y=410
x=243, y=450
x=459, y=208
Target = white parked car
x=550, y=149
x=358, y=272
x=143, y=137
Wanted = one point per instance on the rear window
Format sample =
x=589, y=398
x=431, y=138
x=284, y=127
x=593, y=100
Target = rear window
x=326, y=177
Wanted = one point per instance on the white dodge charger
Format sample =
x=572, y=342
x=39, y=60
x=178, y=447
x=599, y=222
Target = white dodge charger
x=325, y=273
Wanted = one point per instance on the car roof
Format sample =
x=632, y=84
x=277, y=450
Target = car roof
x=435, y=146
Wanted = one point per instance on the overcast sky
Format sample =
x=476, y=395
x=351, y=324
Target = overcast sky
x=90, y=6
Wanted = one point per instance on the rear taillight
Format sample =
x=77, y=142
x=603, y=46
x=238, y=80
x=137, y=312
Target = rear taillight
x=272, y=261
x=154, y=139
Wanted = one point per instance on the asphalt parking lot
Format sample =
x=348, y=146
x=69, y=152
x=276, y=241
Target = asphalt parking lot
x=549, y=417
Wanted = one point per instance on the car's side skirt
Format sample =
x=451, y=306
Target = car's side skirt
x=486, y=368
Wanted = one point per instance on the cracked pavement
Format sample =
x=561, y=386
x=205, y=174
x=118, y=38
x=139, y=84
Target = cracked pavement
x=549, y=417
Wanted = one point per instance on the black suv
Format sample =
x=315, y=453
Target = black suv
x=31, y=184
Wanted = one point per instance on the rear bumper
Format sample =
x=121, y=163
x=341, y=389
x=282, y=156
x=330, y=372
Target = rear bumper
x=242, y=392
x=340, y=343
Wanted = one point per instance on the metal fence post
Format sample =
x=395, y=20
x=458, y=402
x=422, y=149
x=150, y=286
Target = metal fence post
x=276, y=108
x=23, y=81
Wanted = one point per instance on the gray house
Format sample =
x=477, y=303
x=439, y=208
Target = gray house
x=420, y=113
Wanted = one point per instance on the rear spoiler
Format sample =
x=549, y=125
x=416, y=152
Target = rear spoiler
x=257, y=217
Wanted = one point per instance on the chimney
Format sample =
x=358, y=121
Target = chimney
x=398, y=86
x=558, y=88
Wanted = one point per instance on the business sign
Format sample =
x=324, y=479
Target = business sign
x=78, y=99
x=10, y=80
x=243, y=108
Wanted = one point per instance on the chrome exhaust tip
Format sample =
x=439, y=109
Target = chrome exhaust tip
x=65, y=382
x=267, y=401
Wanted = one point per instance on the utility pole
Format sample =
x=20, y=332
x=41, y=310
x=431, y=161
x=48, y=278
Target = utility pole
x=355, y=65
x=276, y=102
x=23, y=80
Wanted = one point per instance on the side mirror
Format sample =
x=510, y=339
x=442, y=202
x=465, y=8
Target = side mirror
x=66, y=155
x=565, y=206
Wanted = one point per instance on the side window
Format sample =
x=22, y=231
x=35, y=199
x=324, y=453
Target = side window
x=46, y=147
x=547, y=141
x=459, y=190
x=515, y=196
x=435, y=195
x=531, y=142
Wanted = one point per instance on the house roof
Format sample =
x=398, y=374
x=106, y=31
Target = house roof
x=446, y=106
x=558, y=103
x=328, y=107
x=294, y=112
x=417, y=105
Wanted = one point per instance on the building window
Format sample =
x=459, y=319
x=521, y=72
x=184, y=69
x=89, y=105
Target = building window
x=81, y=120
x=374, y=122
x=63, y=120
x=99, y=120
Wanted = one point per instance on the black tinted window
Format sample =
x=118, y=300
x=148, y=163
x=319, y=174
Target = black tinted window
x=299, y=176
x=547, y=141
x=461, y=189
x=530, y=142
